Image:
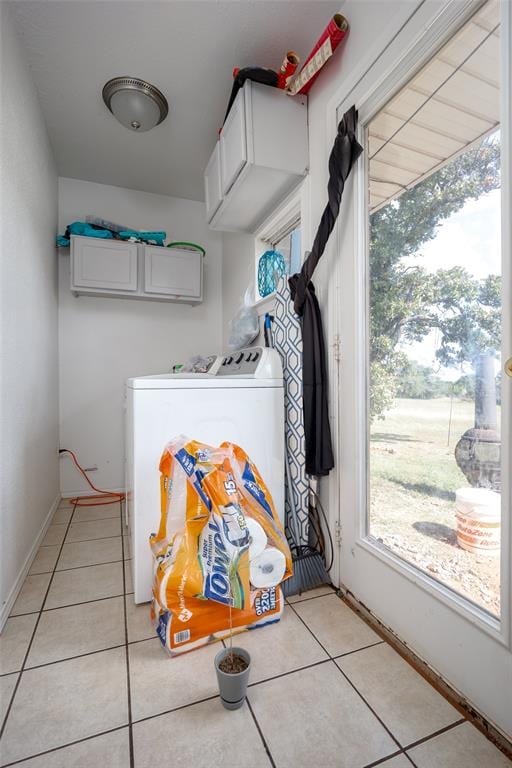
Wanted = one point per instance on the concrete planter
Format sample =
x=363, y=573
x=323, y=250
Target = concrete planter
x=232, y=687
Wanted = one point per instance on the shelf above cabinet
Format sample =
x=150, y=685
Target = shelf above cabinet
x=112, y=268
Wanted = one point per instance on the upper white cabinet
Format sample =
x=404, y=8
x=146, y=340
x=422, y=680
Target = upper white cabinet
x=262, y=153
x=233, y=145
x=106, y=265
x=113, y=268
x=213, y=193
x=172, y=272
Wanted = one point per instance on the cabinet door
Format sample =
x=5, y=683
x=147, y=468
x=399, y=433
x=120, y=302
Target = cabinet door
x=171, y=271
x=213, y=193
x=233, y=145
x=103, y=264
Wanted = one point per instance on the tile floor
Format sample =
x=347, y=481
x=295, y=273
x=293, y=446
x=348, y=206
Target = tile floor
x=84, y=682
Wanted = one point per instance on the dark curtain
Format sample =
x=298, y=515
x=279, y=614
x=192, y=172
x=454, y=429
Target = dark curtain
x=319, y=455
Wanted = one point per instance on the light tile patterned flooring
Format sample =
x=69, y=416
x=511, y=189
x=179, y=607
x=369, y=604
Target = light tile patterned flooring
x=85, y=683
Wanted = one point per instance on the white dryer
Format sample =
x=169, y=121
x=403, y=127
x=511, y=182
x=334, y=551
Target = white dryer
x=240, y=399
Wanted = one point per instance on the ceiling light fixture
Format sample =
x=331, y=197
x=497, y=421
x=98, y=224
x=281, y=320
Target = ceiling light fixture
x=137, y=105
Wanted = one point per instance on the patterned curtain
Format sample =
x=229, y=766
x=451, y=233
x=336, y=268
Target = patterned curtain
x=288, y=342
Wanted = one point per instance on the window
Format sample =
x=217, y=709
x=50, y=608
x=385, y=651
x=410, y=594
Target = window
x=289, y=247
x=435, y=316
x=280, y=234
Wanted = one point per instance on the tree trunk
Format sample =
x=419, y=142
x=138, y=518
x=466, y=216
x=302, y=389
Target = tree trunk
x=486, y=412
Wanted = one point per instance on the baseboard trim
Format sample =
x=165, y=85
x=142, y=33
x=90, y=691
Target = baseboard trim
x=13, y=594
x=479, y=720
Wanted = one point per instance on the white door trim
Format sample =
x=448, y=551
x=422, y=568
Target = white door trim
x=506, y=244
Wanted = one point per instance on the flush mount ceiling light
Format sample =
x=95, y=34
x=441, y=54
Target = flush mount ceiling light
x=137, y=105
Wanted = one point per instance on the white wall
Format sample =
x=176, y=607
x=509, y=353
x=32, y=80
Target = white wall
x=237, y=274
x=373, y=24
x=104, y=341
x=29, y=381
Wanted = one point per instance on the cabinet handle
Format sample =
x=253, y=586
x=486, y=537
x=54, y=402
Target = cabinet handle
x=508, y=367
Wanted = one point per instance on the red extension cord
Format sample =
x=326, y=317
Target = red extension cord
x=101, y=497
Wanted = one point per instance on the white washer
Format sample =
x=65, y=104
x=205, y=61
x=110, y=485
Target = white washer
x=240, y=400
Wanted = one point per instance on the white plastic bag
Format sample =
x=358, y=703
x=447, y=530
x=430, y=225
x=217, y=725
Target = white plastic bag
x=245, y=325
x=198, y=364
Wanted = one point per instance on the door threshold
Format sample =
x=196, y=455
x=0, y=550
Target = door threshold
x=458, y=701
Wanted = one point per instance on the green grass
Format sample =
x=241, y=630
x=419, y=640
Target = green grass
x=410, y=452
x=413, y=479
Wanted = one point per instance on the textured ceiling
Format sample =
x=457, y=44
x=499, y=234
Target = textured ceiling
x=187, y=49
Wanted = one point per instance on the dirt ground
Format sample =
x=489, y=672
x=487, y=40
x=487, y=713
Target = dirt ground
x=412, y=498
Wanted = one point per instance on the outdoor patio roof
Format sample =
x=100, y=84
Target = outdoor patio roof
x=450, y=104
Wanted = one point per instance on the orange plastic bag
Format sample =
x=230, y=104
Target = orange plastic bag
x=220, y=544
x=205, y=621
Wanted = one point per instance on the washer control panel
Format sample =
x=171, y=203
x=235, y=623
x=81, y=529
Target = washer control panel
x=257, y=362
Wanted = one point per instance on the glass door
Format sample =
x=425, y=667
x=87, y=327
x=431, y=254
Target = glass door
x=426, y=518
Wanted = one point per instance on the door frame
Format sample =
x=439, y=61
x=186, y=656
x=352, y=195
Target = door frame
x=415, y=43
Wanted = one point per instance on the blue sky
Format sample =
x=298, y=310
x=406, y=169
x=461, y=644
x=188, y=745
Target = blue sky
x=470, y=238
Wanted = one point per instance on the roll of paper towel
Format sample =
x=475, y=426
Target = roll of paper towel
x=268, y=569
x=258, y=538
